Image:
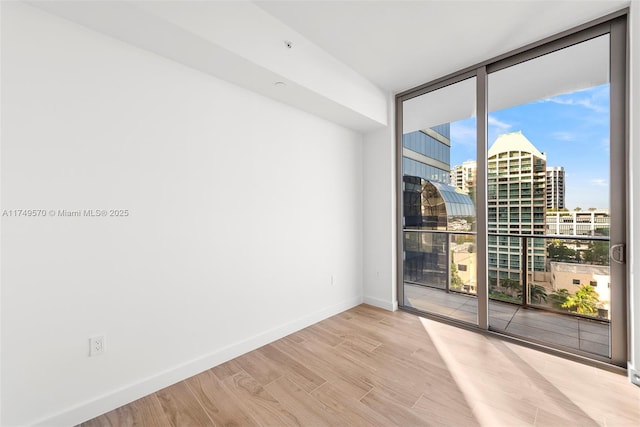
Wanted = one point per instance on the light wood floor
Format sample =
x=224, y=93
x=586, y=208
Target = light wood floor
x=367, y=366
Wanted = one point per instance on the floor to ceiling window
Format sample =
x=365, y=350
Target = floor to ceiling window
x=439, y=213
x=512, y=194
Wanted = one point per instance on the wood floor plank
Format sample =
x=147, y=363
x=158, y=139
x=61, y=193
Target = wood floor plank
x=145, y=412
x=391, y=411
x=226, y=369
x=340, y=365
x=221, y=405
x=260, y=367
x=405, y=384
x=315, y=332
x=371, y=367
x=308, y=410
x=349, y=385
x=259, y=403
x=445, y=409
x=350, y=410
x=181, y=407
x=372, y=330
x=347, y=334
x=295, y=371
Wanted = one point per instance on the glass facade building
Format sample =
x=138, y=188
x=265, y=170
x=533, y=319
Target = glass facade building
x=426, y=153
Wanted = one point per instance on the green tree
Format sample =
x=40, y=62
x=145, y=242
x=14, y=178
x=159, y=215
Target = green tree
x=456, y=281
x=559, y=297
x=512, y=286
x=585, y=301
x=557, y=251
x=537, y=293
x=597, y=253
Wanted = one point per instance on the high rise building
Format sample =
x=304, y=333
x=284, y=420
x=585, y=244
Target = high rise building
x=464, y=176
x=555, y=187
x=578, y=223
x=430, y=203
x=516, y=205
x=426, y=153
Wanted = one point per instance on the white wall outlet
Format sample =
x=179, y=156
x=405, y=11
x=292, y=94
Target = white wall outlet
x=96, y=345
x=331, y=280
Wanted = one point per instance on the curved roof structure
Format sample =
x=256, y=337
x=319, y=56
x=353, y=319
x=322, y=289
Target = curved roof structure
x=431, y=205
x=514, y=141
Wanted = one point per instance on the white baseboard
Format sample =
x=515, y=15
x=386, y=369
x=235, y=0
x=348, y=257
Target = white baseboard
x=116, y=398
x=634, y=374
x=378, y=302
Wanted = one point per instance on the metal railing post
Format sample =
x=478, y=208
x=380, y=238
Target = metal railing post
x=523, y=272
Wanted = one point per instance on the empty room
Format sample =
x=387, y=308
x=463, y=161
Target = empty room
x=319, y=213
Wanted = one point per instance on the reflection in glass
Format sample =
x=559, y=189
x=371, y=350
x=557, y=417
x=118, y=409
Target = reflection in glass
x=432, y=205
x=438, y=193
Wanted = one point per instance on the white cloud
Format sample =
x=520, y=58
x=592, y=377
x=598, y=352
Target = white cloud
x=597, y=100
x=564, y=136
x=502, y=126
x=598, y=182
x=462, y=134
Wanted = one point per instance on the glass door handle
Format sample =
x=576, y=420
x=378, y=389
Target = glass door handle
x=616, y=253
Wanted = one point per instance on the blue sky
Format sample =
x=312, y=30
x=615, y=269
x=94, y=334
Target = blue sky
x=571, y=129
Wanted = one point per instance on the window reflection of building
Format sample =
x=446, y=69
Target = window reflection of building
x=426, y=153
x=464, y=177
x=436, y=206
x=432, y=206
x=433, y=211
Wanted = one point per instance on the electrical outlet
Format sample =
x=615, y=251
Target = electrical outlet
x=96, y=345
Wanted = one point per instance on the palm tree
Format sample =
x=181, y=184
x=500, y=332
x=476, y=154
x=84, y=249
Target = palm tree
x=585, y=300
x=512, y=286
x=537, y=293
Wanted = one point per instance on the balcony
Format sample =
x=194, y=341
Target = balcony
x=555, y=309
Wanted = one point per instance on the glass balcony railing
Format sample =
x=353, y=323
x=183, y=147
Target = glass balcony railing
x=560, y=274
x=442, y=260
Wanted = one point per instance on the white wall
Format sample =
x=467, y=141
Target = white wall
x=379, y=256
x=634, y=244
x=241, y=210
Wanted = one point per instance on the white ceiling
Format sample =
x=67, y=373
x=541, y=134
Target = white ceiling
x=347, y=56
x=583, y=65
x=398, y=45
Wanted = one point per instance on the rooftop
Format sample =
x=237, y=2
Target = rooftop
x=514, y=141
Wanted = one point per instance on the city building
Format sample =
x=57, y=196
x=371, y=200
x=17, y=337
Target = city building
x=572, y=276
x=516, y=182
x=435, y=206
x=426, y=153
x=464, y=176
x=431, y=203
x=578, y=223
x=555, y=187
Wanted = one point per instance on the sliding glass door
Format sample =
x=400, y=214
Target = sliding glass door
x=438, y=200
x=515, y=221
